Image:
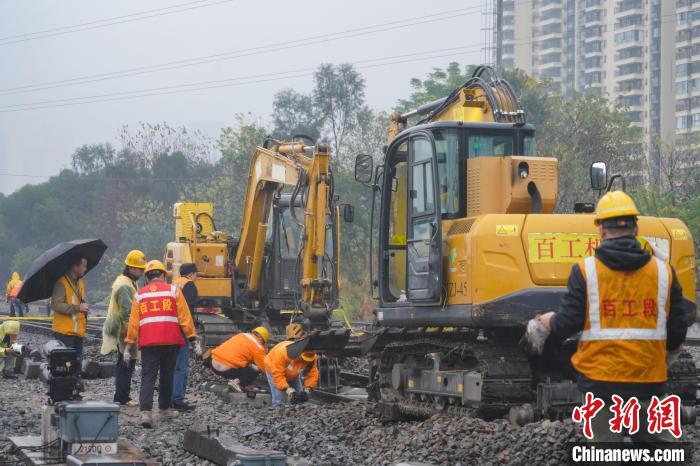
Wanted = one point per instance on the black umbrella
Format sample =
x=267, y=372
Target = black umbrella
x=52, y=264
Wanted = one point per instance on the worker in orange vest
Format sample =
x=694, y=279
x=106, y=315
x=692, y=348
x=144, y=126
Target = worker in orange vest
x=291, y=379
x=186, y=283
x=241, y=358
x=69, y=307
x=629, y=306
x=159, y=318
x=17, y=307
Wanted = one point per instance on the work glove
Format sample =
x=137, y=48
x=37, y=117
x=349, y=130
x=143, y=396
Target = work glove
x=535, y=336
x=196, y=346
x=254, y=367
x=127, y=355
x=672, y=356
x=290, y=392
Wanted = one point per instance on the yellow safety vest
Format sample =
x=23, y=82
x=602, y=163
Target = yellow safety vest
x=71, y=324
x=624, y=336
x=180, y=282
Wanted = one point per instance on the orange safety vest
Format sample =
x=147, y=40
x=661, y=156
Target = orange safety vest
x=241, y=350
x=71, y=324
x=624, y=335
x=180, y=282
x=284, y=369
x=15, y=289
x=158, y=320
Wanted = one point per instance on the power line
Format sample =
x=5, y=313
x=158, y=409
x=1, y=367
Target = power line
x=236, y=81
x=110, y=21
x=285, y=45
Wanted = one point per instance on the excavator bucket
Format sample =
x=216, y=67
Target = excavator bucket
x=330, y=342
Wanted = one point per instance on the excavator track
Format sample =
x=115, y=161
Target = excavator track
x=505, y=370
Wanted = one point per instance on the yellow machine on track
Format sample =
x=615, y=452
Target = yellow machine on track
x=285, y=261
x=470, y=249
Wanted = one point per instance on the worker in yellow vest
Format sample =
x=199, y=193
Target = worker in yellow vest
x=630, y=308
x=69, y=307
x=185, y=282
x=117, y=321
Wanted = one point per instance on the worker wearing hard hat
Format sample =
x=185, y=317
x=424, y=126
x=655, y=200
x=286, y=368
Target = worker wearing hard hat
x=8, y=335
x=291, y=379
x=159, y=318
x=69, y=307
x=117, y=321
x=630, y=309
x=186, y=283
x=241, y=358
x=17, y=307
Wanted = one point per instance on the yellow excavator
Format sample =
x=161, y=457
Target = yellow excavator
x=470, y=249
x=285, y=262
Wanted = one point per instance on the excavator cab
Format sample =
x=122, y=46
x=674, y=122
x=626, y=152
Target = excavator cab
x=282, y=267
x=433, y=175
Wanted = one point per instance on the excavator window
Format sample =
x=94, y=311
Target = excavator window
x=449, y=168
x=396, y=247
x=490, y=145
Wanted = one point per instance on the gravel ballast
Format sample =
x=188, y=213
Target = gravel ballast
x=337, y=434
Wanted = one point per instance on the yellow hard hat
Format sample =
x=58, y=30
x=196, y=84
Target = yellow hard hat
x=262, y=333
x=613, y=205
x=155, y=265
x=308, y=356
x=296, y=331
x=136, y=259
x=11, y=327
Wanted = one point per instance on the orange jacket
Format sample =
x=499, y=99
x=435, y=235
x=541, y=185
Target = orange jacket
x=283, y=369
x=241, y=350
x=183, y=315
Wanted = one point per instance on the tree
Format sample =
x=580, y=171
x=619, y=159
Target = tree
x=294, y=113
x=368, y=137
x=439, y=83
x=339, y=97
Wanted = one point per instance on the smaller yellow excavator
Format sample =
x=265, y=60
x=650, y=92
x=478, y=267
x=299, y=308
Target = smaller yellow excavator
x=285, y=262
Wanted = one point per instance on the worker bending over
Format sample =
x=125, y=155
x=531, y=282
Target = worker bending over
x=159, y=318
x=630, y=307
x=291, y=379
x=8, y=335
x=241, y=358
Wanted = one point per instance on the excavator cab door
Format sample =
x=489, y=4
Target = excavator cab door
x=423, y=235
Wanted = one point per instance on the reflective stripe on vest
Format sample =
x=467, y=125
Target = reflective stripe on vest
x=254, y=340
x=158, y=294
x=152, y=320
x=593, y=290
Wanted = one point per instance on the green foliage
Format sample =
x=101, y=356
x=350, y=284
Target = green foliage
x=439, y=83
x=23, y=259
x=295, y=113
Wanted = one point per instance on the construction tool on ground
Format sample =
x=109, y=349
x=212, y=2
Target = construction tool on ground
x=285, y=261
x=470, y=248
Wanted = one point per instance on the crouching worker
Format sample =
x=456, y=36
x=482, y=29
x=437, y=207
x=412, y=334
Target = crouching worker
x=288, y=377
x=159, y=317
x=8, y=335
x=241, y=358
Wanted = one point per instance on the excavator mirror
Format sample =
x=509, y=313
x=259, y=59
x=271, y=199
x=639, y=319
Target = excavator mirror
x=348, y=213
x=599, y=175
x=364, y=166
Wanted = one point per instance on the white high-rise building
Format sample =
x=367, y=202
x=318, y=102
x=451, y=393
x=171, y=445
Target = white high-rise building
x=644, y=54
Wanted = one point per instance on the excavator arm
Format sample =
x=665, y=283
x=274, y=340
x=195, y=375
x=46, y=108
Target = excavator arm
x=306, y=170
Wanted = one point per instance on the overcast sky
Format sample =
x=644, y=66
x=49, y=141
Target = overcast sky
x=39, y=142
